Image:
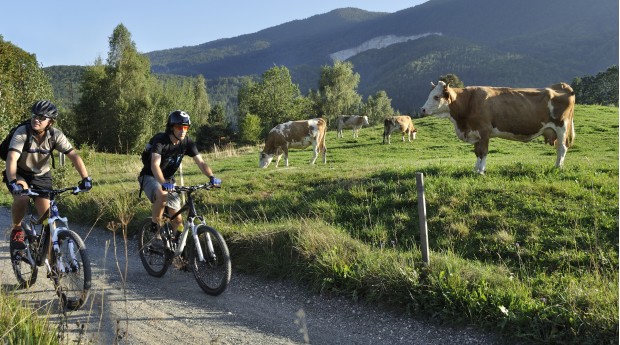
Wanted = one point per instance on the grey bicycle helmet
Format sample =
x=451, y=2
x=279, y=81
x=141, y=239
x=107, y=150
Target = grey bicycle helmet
x=177, y=117
x=45, y=108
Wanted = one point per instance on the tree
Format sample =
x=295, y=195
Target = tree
x=200, y=115
x=250, y=129
x=217, y=114
x=274, y=99
x=599, y=89
x=338, y=90
x=452, y=80
x=22, y=82
x=378, y=107
x=119, y=98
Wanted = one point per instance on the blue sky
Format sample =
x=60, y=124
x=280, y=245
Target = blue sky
x=75, y=32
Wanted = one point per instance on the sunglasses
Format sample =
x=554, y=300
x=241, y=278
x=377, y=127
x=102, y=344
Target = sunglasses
x=39, y=118
x=181, y=127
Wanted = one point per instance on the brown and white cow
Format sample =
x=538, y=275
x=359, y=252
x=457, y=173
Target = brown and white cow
x=480, y=113
x=400, y=123
x=295, y=135
x=351, y=121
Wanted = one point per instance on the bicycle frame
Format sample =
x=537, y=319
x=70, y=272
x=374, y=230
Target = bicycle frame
x=190, y=224
x=53, y=228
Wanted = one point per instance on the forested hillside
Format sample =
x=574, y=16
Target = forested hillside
x=486, y=42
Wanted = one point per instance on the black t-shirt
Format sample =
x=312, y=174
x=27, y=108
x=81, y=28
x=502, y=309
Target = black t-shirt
x=171, y=155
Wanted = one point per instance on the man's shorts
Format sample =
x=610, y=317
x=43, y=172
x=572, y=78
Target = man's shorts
x=35, y=182
x=150, y=185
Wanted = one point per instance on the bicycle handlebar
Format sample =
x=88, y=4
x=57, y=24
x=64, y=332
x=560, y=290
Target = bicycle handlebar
x=206, y=186
x=35, y=192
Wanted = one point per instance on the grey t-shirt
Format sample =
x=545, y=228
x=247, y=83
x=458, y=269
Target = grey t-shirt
x=37, y=159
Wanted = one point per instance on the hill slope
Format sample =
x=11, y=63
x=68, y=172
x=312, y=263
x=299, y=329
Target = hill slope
x=516, y=43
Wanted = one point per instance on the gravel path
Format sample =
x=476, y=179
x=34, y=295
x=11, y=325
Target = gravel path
x=173, y=310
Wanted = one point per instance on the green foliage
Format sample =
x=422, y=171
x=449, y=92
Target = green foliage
x=250, y=129
x=338, y=90
x=274, y=99
x=599, y=89
x=452, y=80
x=377, y=108
x=17, y=326
x=22, y=82
x=122, y=105
x=116, y=103
x=214, y=136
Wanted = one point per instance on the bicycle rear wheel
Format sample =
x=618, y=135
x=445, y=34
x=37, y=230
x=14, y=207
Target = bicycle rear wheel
x=153, y=253
x=24, y=266
x=212, y=274
x=71, y=271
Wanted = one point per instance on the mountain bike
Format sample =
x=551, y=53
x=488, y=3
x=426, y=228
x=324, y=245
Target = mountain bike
x=208, y=257
x=49, y=242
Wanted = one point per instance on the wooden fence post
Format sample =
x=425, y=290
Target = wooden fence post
x=422, y=215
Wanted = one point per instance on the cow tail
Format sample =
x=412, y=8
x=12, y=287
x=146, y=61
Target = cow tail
x=570, y=126
x=570, y=131
x=324, y=148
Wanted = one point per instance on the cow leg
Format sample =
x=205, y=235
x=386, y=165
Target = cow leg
x=316, y=154
x=286, y=156
x=560, y=146
x=481, y=149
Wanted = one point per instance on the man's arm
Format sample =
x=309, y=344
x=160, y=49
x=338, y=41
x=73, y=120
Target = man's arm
x=202, y=165
x=11, y=165
x=78, y=164
x=155, y=169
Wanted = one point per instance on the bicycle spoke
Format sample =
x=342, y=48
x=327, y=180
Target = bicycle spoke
x=213, y=273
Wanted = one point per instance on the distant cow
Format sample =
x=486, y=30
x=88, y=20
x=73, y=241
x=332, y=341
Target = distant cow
x=351, y=121
x=400, y=123
x=295, y=135
x=480, y=113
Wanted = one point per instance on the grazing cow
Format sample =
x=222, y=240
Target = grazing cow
x=401, y=123
x=351, y=121
x=297, y=135
x=480, y=113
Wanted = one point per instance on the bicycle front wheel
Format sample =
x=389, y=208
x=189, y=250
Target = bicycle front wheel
x=71, y=271
x=213, y=273
x=153, y=253
x=24, y=266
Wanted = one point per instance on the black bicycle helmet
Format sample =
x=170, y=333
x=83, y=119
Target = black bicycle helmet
x=45, y=108
x=177, y=117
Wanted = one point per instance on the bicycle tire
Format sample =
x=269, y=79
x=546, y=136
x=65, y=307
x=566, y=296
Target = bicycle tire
x=153, y=253
x=73, y=279
x=25, y=268
x=213, y=275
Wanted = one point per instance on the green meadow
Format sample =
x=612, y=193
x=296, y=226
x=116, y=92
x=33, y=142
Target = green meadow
x=526, y=250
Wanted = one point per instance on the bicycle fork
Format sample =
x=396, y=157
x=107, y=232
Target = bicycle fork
x=60, y=265
x=201, y=256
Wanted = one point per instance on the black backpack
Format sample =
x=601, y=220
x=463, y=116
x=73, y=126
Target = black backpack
x=4, y=146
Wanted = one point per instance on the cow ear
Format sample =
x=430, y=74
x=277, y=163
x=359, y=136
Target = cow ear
x=432, y=85
x=446, y=95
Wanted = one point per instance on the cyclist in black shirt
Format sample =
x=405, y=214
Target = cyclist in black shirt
x=162, y=158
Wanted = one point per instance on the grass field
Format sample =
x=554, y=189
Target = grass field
x=526, y=250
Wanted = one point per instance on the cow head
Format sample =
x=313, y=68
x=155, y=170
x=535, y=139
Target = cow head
x=365, y=120
x=438, y=100
x=264, y=159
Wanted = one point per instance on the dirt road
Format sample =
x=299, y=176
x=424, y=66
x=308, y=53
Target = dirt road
x=127, y=306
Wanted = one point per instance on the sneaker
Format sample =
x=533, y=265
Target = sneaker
x=17, y=239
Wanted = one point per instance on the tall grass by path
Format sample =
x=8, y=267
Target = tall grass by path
x=527, y=250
